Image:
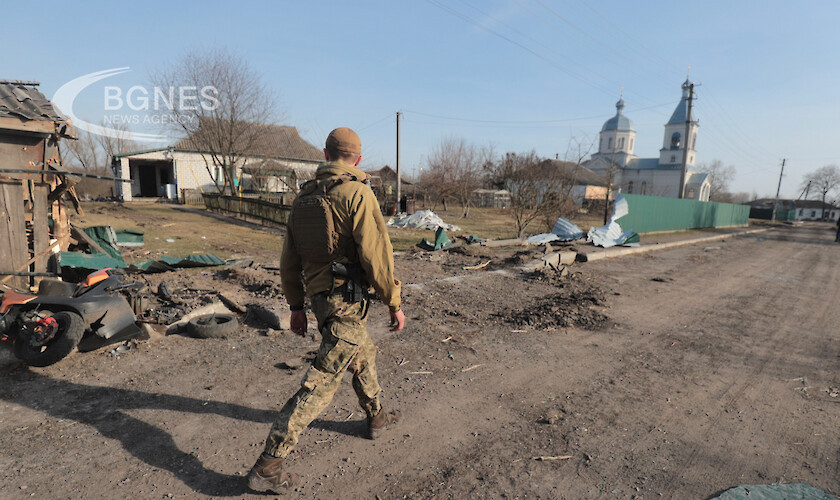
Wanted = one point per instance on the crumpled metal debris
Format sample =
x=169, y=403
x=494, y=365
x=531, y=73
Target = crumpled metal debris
x=563, y=230
x=422, y=219
x=612, y=234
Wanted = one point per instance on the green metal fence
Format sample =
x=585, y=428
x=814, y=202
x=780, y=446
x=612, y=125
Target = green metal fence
x=652, y=213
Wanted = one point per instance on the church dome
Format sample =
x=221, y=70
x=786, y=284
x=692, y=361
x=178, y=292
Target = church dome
x=619, y=122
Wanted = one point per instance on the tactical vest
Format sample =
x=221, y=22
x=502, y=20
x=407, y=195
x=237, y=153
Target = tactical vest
x=312, y=221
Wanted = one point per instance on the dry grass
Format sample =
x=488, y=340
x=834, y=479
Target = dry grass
x=191, y=233
x=194, y=233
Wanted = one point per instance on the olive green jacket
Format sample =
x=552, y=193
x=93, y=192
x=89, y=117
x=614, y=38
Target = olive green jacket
x=358, y=220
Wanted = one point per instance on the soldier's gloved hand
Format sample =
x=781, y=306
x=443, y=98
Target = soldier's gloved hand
x=397, y=320
x=297, y=322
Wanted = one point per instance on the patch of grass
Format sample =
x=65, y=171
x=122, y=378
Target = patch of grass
x=191, y=233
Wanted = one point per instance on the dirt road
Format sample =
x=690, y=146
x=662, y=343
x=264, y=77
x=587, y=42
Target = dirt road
x=696, y=369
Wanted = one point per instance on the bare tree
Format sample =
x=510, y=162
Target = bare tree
x=95, y=152
x=455, y=171
x=823, y=180
x=719, y=178
x=84, y=152
x=224, y=113
x=536, y=187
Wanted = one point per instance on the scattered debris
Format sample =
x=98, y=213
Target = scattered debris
x=612, y=234
x=470, y=368
x=477, y=266
x=422, y=219
x=441, y=242
x=552, y=459
x=563, y=230
x=575, y=304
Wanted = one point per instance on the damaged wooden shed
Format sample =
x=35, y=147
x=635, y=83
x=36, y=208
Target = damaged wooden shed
x=33, y=218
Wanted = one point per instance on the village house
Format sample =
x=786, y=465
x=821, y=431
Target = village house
x=586, y=185
x=800, y=210
x=277, y=162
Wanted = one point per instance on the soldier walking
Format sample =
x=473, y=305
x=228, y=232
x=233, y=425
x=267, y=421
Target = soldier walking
x=336, y=247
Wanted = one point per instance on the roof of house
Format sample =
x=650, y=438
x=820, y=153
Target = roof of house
x=271, y=141
x=581, y=175
x=387, y=175
x=24, y=109
x=808, y=204
x=19, y=100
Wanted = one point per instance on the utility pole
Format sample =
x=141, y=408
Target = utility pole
x=776, y=203
x=804, y=194
x=398, y=163
x=687, y=141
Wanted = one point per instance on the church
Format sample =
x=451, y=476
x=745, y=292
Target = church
x=651, y=176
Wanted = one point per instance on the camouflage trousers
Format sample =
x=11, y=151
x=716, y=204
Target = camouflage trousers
x=345, y=346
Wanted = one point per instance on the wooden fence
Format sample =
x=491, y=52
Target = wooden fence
x=248, y=208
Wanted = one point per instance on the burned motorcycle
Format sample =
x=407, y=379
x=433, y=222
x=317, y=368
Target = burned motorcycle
x=47, y=326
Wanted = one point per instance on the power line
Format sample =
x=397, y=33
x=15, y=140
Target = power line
x=600, y=116
x=470, y=20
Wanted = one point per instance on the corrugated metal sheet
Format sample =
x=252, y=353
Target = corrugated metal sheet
x=653, y=213
x=27, y=103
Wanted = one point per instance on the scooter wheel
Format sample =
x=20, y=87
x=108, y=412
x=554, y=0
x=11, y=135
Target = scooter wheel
x=71, y=328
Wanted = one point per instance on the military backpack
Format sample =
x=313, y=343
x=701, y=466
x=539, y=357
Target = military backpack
x=312, y=224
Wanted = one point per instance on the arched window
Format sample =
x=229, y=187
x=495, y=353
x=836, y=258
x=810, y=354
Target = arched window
x=630, y=187
x=631, y=144
x=620, y=142
x=609, y=143
x=644, y=188
x=675, y=141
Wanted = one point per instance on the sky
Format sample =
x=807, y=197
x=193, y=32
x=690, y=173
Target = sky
x=514, y=75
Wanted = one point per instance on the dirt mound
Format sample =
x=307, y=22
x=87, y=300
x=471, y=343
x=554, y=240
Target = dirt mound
x=576, y=303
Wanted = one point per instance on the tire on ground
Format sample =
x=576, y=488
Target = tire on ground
x=71, y=328
x=213, y=326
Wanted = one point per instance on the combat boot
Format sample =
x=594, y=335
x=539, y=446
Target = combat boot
x=382, y=422
x=268, y=475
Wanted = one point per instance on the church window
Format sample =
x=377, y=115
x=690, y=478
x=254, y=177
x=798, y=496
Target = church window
x=620, y=142
x=630, y=187
x=675, y=141
x=673, y=158
x=644, y=188
x=690, y=194
x=631, y=144
x=609, y=143
x=694, y=142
